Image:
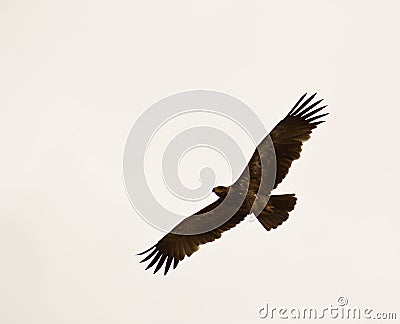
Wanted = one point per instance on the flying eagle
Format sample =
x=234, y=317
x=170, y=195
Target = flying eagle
x=278, y=150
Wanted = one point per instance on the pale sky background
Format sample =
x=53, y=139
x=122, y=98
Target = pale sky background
x=74, y=77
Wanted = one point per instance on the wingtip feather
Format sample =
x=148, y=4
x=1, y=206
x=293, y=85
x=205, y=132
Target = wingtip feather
x=297, y=103
x=141, y=253
x=167, y=265
x=155, y=259
x=160, y=263
x=317, y=117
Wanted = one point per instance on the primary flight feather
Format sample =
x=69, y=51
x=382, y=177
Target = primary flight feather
x=276, y=151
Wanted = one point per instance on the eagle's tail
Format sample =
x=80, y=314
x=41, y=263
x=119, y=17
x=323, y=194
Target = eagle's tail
x=277, y=210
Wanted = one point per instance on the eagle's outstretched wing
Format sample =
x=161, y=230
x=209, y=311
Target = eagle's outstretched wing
x=287, y=138
x=174, y=247
x=290, y=133
x=274, y=155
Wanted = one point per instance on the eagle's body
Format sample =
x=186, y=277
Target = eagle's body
x=251, y=193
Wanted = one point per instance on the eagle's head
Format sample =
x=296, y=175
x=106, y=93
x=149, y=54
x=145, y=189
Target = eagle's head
x=221, y=191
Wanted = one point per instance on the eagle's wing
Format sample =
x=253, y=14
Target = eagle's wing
x=290, y=133
x=174, y=247
x=286, y=138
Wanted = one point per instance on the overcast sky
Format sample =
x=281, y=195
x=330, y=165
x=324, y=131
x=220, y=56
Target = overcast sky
x=76, y=75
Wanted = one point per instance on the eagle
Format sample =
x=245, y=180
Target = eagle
x=249, y=194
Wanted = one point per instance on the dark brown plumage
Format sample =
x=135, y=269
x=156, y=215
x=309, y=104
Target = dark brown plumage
x=252, y=190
